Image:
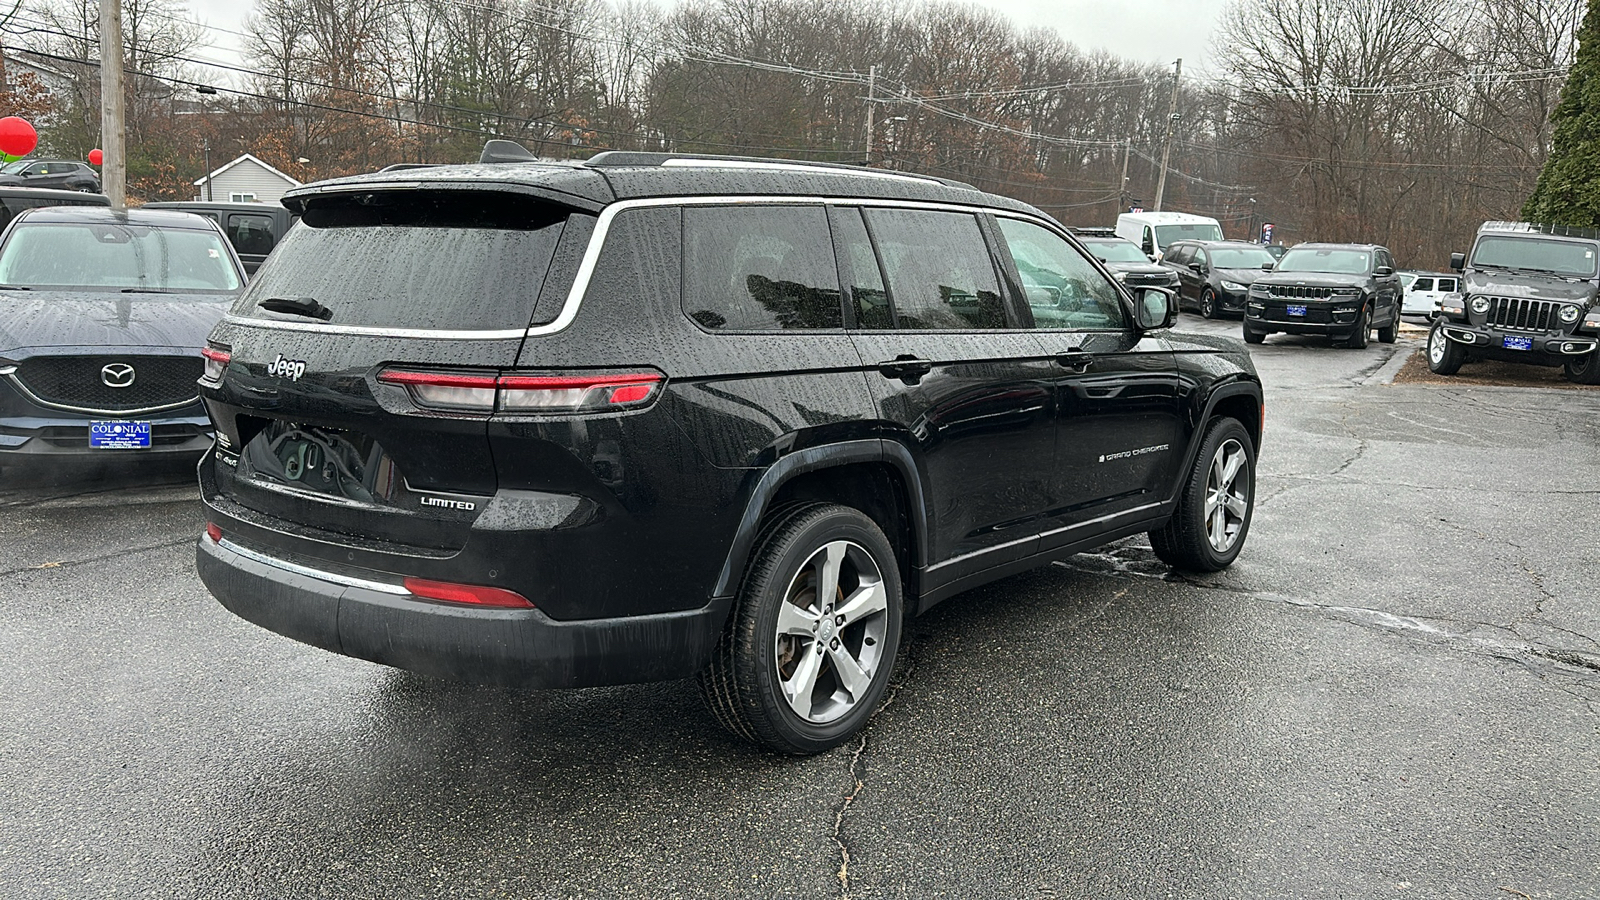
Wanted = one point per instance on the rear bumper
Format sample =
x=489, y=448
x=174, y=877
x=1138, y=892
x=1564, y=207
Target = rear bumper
x=383, y=623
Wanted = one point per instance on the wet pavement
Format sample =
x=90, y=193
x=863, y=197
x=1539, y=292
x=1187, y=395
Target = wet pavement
x=1392, y=693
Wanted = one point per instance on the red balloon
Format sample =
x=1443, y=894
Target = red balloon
x=17, y=137
x=96, y=157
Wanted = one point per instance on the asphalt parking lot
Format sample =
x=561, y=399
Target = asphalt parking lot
x=1392, y=693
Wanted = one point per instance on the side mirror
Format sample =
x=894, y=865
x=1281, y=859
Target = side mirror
x=1458, y=261
x=1153, y=308
x=1268, y=267
x=1196, y=266
x=1383, y=271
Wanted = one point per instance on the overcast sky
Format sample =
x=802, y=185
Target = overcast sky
x=1142, y=30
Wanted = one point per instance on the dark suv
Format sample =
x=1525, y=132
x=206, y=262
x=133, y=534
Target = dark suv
x=1126, y=262
x=646, y=417
x=62, y=174
x=1528, y=295
x=1215, y=276
x=1338, y=290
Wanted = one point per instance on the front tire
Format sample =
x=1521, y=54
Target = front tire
x=1208, y=304
x=1252, y=336
x=1584, y=369
x=1358, y=338
x=1444, y=355
x=1215, y=505
x=1390, y=332
x=812, y=639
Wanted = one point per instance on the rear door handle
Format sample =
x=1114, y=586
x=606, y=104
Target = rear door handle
x=906, y=367
x=1075, y=361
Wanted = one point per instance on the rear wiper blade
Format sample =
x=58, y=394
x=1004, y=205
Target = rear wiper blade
x=297, y=306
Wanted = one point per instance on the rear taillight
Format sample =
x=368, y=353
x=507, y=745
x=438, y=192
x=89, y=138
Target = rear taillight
x=527, y=393
x=470, y=594
x=214, y=532
x=216, y=361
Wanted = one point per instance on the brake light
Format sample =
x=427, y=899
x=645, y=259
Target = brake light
x=470, y=594
x=435, y=390
x=526, y=393
x=541, y=393
x=216, y=362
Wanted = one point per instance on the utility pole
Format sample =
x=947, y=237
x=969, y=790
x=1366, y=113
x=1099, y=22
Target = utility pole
x=872, y=81
x=114, y=166
x=1122, y=192
x=1166, y=146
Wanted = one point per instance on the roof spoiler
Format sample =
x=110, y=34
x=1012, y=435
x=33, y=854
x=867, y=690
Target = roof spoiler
x=501, y=151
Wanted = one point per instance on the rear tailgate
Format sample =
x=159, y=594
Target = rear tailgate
x=311, y=443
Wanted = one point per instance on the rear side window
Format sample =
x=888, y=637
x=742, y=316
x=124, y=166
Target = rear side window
x=760, y=268
x=251, y=234
x=447, y=260
x=939, y=271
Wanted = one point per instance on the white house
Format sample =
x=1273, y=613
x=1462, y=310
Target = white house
x=245, y=180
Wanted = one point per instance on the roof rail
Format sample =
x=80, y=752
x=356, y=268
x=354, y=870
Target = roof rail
x=399, y=167
x=1576, y=231
x=633, y=158
x=1093, y=231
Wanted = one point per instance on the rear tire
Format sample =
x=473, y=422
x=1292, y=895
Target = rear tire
x=812, y=639
x=1358, y=338
x=1584, y=369
x=1215, y=505
x=1444, y=355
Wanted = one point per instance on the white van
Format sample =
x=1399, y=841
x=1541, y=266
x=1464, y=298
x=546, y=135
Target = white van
x=1153, y=231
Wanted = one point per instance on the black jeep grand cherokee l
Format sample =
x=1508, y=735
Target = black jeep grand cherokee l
x=648, y=417
x=1338, y=290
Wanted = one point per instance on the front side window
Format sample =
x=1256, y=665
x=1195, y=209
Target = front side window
x=1062, y=287
x=939, y=271
x=1422, y=284
x=760, y=268
x=70, y=256
x=1326, y=260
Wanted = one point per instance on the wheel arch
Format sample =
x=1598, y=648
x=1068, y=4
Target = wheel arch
x=1238, y=399
x=877, y=477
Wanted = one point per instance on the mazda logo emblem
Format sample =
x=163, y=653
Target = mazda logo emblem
x=117, y=375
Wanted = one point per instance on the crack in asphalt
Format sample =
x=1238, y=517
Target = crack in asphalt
x=120, y=552
x=857, y=782
x=1523, y=651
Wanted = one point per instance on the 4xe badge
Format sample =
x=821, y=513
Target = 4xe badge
x=291, y=369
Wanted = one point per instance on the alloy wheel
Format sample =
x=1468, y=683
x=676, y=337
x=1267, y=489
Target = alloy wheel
x=1227, y=498
x=830, y=634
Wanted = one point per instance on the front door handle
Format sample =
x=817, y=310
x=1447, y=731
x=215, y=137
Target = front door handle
x=1076, y=361
x=906, y=367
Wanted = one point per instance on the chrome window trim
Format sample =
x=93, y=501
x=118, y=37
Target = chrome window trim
x=319, y=574
x=597, y=241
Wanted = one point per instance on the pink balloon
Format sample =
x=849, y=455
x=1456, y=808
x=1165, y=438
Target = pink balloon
x=17, y=137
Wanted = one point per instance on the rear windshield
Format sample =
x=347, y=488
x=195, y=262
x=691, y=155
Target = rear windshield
x=112, y=256
x=447, y=260
x=1537, y=254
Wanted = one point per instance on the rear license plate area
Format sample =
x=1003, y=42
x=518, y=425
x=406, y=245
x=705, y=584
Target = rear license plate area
x=1512, y=342
x=119, y=435
x=1295, y=309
